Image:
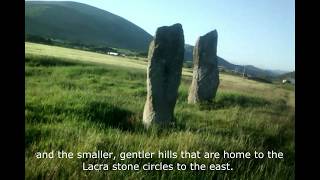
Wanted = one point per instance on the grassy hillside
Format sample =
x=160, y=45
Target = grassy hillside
x=84, y=101
x=84, y=24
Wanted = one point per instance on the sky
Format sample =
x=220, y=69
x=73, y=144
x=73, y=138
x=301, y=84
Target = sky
x=250, y=32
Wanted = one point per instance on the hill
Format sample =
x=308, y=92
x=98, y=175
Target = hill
x=84, y=24
x=92, y=26
x=290, y=75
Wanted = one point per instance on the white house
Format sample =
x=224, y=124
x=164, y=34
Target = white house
x=289, y=80
x=113, y=53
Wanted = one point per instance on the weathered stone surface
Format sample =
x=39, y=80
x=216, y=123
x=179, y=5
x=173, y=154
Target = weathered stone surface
x=205, y=80
x=165, y=61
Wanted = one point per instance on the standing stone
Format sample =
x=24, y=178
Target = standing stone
x=205, y=80
x=165, y=59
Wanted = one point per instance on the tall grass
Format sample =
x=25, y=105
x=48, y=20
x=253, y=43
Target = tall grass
x=78, y=106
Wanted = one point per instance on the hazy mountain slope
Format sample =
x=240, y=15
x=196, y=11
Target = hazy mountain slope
x=249, y=69
x=288, y=75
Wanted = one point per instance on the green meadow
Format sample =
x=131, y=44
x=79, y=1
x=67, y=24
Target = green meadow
x=80, y=101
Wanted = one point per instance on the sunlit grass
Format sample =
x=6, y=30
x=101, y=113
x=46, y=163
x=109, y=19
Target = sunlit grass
x=96, y=104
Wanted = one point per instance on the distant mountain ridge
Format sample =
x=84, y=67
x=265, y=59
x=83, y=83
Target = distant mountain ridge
x=81, y=23
x=248, y=69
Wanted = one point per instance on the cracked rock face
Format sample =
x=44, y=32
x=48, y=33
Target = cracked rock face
x=165, y=60
x=205, y=79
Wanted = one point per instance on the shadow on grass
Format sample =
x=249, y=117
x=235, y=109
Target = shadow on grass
x=33, y=135
x=109, y=115
x=49, y=61
x=101, y=113
x=232, y=100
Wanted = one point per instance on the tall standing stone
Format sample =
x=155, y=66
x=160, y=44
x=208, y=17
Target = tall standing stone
x=205, y=80
x=165, y=60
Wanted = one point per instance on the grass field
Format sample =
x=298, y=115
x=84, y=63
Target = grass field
x=84, y=101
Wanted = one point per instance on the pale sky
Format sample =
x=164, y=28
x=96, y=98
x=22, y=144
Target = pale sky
x=251, y=32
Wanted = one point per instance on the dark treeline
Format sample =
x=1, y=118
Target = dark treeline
x=79, y=45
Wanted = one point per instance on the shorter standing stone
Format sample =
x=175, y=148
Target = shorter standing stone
x=205, y=80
